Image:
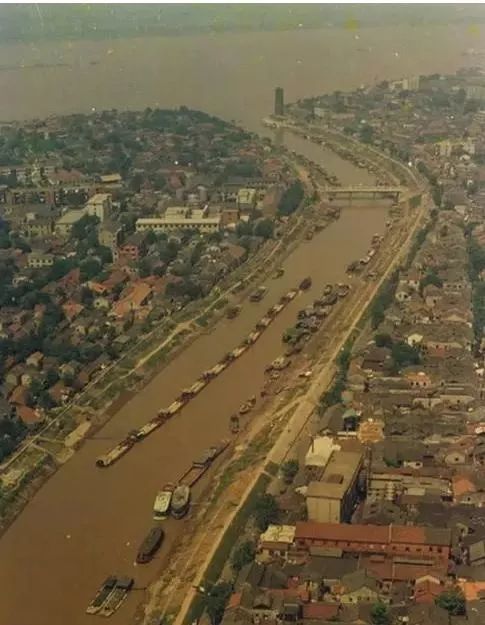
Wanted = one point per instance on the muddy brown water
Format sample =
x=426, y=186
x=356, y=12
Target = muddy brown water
x=87, y=523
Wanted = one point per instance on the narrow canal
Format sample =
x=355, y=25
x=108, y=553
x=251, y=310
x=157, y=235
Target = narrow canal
x=87, y=523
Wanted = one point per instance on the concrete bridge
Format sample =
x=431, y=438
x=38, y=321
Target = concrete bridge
x=362, y=191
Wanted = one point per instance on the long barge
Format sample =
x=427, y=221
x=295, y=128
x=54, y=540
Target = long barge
x=189, y=393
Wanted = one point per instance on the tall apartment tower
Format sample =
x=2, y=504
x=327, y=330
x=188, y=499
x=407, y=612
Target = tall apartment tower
x=279, y=102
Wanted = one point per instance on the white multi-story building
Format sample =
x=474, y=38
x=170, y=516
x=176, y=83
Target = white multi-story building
x=181, y=218
x=100, y=206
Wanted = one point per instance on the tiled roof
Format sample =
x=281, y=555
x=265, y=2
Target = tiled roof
x=372, y=533
x=320, y=611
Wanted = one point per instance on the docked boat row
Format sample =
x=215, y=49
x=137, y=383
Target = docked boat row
x=358, y=265
x=110, y=596
x=175, y=499
x=189, y=393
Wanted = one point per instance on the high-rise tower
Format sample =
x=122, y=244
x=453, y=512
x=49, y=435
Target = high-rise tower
x=279, y=102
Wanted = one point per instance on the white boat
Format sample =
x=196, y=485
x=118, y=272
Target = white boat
x=161, y=507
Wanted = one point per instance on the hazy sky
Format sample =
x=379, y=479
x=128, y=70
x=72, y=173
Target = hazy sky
x=39, y=21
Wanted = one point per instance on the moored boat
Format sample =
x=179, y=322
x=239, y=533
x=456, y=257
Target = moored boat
x=180, y=501
x=117, y=596
x=161, y=506
x=233, y=311
x=102, y=595
x=258, y=294
x=306, y=283
x=248, y=405
x=150, y=545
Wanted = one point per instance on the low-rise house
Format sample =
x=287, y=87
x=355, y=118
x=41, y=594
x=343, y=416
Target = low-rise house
x=134, y=247
x=376, y=359
x=360, y=587
x=30, y=417
x=69, y=368
x=102, y=303
x=35, y=360
x=275, y=542
x=60, y=393
x=476, y=553
x=427, y=589
x=72, y=310
x=137, y=297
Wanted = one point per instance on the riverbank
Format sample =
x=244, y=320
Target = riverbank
x=86, y=415
x=281, y=444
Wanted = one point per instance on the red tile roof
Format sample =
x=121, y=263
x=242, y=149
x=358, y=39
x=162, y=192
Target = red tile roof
x=320, y=611
x=28, y=416
x=408, y=534
x=378, y=534
x=343, y=532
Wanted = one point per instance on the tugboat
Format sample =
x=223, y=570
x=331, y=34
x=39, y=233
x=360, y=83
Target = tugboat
x=180, y=501
x=150, y=545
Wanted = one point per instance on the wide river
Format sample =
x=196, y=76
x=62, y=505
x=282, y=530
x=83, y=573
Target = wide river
x=86, y=523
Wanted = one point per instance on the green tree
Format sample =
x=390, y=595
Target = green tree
x=266, y=511
x=84, y=227
x=291, y=198
x=430, y=278
x=150, y=237
x=144, y=268
x=380, y=614
x=89, y=268
x=51, y=377
x=264, y=228
x=243, y=554
x=404, y=355
x=453, y=601
x=216, y=599
x=366, y=133
x=383, y=340
x=244, y=228
x=289, y=469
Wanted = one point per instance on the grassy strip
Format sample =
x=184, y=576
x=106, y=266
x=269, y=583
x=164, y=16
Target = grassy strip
x=222, y=553
x=334, y=393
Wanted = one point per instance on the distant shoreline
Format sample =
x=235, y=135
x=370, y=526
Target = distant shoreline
x=100, y=35
x=17, y=66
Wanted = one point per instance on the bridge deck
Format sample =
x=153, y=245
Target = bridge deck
x=357, y=189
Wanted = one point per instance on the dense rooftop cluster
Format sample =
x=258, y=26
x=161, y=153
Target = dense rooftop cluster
x=108, y=223
x=380, y=519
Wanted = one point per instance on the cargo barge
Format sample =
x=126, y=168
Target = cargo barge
x=189, y=393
